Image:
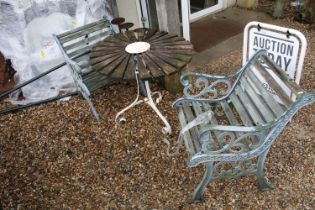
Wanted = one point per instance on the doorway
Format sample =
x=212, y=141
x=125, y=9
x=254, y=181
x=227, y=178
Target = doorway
x=193, y=10
x=148, y=14
x=200, y=8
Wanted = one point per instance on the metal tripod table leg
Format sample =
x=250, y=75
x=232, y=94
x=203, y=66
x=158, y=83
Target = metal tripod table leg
x=149, y=100
x=167, y=128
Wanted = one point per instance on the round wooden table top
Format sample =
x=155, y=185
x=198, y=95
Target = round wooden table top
x=167, y=54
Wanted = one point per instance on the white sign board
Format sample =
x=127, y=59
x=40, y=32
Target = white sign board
x=286, y=47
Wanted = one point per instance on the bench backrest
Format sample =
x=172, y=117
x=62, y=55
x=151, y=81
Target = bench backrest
x=77, y=43
x=265, y=91
x=76, y=46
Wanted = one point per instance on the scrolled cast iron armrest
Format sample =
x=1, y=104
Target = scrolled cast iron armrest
x=206, y=87
x=227, y=152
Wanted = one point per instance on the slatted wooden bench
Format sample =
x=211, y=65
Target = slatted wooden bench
x=76, y=46
x=245, y=112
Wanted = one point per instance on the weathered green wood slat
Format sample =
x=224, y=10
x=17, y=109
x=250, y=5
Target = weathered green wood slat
x=82, y=59
x=89, y=39
x=198, y=110
x=261, y=105
x=295, y=88
x=65, y=34
x=187, y=137
x=252, y=110
x=84, y=65
x=229, y=115
x=213, y=121
x=241, y=110
x=274, y=85
x=194, y=131
x=72, y=36
x=273, y=104
x=84, y=50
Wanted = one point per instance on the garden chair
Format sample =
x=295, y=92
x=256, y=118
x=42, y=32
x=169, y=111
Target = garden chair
x=230, y=122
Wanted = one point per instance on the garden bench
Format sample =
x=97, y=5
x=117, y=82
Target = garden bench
x=229, y=122
x=76, y=46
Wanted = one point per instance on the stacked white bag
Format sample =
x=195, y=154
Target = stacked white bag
x=26, y=28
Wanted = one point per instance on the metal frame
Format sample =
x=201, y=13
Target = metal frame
x=234, y=149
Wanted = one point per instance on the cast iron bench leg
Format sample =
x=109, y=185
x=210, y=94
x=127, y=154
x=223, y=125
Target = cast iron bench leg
x=197, y=195
x=263, y=184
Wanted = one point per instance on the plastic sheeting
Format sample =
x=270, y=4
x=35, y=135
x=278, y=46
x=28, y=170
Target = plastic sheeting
x=26, y=28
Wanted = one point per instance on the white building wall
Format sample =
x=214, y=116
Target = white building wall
x=228, y=3
x=129, y=10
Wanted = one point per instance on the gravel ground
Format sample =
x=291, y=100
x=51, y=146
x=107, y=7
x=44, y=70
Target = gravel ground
x=56, y=156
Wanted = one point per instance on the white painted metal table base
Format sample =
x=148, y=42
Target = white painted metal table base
x=136, y=48
x=148, y=100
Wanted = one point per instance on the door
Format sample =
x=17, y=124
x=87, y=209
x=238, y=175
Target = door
x=148, y=14
x=200, y=8
x=192, y=10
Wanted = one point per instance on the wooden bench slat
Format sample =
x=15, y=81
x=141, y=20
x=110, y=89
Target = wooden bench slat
x=214, y=121
x=89, y=39
x=254, y=114
x=262, y=106
x=187, y=137
x=241, y=110
x=198, y=110
x=74, y=35
x=274, y=85
x=80, y=28
x=295, y=88
x=194, y=131
x=229, y=113
x=273, y=104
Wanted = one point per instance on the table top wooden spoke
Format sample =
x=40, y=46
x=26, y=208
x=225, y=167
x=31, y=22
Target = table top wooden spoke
x=168, y=53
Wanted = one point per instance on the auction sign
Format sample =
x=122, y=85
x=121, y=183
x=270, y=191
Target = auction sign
x=286, y=47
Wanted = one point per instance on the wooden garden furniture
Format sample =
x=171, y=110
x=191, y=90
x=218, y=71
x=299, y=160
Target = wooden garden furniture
x=140, y=56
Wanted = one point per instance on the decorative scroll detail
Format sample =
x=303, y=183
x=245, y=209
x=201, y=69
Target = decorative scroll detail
x=265, y=143
x=231, y=143
x=208, y=88
x=236, y=169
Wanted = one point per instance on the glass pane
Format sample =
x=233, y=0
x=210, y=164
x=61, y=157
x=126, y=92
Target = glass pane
x=198, y=5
